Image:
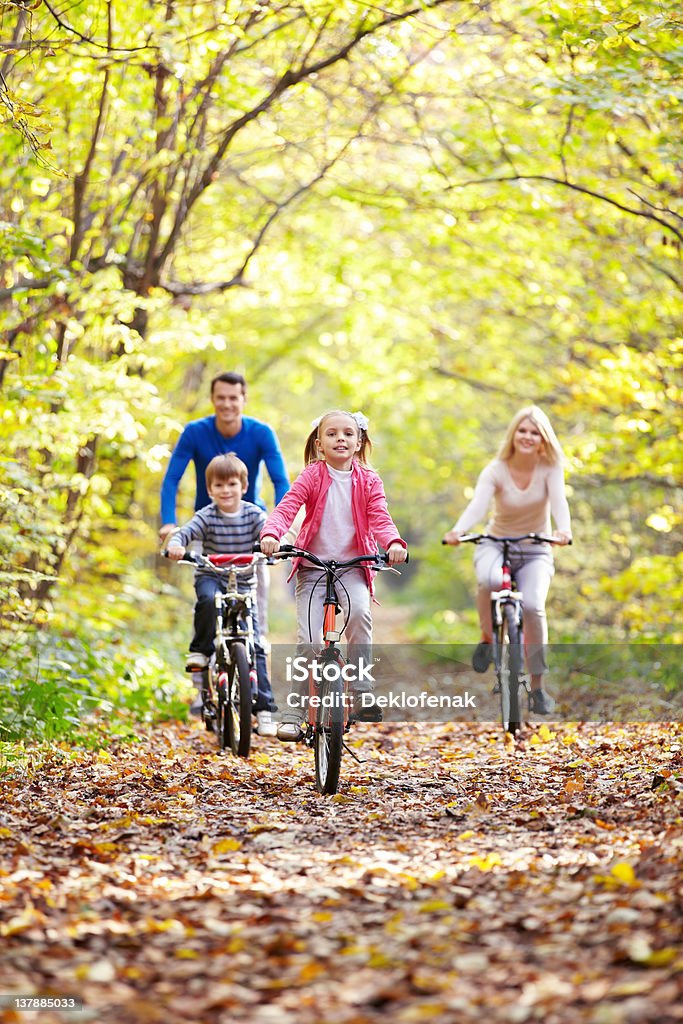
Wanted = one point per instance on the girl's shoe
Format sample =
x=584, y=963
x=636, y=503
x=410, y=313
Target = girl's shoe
x=290, y=732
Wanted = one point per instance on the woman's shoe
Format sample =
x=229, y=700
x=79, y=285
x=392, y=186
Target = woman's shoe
x=541, y=703
x=482, y=657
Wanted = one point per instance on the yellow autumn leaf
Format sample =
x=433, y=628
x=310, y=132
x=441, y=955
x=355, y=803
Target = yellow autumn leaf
x=545, y=734
x=432, y=906
x=486, y=863
x=186, y=954
x=624, y=873
x=226, y=846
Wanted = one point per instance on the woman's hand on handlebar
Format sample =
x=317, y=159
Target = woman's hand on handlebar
x=452, y=537
x=560, y=537
x=269, y=545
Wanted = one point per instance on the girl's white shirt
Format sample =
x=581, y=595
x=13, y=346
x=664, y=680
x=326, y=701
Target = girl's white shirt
x=518, y=510
x=336, y=537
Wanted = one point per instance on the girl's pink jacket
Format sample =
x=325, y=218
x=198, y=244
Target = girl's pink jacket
x=368, y=506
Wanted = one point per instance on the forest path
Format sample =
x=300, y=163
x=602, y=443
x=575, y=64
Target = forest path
x=452, y=879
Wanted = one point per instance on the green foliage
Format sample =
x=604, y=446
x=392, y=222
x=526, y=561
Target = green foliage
x=60, y=686
x=437, y=218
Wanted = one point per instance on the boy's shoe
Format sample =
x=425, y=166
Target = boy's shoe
x=367, y=711
x=265, y=726
x=482, y=657
x=290, y=732
x=195, y=661
x=196, y=705
x=541, y=703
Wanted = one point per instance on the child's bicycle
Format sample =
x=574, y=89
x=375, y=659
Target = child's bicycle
x=507, y=617
x=329, y=699
x=230, y=682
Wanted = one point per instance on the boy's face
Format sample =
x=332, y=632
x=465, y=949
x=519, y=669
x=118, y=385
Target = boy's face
x=227, y=493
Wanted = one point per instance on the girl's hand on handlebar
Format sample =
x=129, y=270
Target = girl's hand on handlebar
x=560, y=537
x=269, y=545
x=452, y=537
x=175, y=552
x=396, y=554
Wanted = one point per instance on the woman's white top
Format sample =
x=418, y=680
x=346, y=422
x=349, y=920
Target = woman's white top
x=517, y=510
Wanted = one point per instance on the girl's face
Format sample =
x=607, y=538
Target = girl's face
x=227, y=493
x=338, y=441
x=527, y=438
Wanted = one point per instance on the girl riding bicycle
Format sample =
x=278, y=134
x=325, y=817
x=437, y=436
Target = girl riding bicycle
x=525, y=484
x=346, y=515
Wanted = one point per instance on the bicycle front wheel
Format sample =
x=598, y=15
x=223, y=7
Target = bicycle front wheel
x=237, y=710
x=328, y=745
x=510, y=672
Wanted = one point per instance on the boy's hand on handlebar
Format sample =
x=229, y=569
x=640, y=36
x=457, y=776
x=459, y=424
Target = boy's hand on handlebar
x=452, y=537
x=396, y=554
x=269, y=545
x=175, y=552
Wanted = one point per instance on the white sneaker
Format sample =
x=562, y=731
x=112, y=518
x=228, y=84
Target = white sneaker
x=265, y=726
x=195, y=660
x=290, y=732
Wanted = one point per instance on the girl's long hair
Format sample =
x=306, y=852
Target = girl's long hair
x=363, y=453
x=551, y=450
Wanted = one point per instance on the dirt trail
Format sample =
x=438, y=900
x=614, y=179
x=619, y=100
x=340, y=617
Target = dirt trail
x=452, y=879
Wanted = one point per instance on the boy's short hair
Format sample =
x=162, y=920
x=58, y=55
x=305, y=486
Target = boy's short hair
x=225, y=467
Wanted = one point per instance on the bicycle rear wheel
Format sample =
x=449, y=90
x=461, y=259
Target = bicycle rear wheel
x=510, y=672
x=328, y=745
x=237, y=709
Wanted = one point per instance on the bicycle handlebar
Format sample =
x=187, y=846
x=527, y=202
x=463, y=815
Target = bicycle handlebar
x=537, y=538
x=377, y=561
x=220, y=562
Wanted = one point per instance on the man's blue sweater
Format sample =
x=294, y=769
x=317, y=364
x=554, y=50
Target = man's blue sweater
x=201, y=441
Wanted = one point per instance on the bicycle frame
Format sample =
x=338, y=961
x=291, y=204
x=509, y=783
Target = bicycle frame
x=507, y=618
x=230, y=682
x=328, y=717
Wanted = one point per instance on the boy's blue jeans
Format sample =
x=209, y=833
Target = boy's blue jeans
x=204, y=632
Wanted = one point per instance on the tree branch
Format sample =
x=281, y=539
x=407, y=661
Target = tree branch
x=286, y=82
x=576, y=188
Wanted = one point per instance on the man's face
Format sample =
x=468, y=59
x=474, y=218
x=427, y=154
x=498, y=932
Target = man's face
x=228, y=401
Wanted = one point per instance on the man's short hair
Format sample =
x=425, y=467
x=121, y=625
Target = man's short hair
x=230, y=378
x=226, y=467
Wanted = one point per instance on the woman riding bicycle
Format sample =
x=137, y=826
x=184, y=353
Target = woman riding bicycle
x=525, y=484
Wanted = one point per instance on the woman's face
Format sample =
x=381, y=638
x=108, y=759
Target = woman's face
x=527, y=438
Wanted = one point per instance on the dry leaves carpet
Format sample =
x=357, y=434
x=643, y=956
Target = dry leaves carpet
x=453, y=878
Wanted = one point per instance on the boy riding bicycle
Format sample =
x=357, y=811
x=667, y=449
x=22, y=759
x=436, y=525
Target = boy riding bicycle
x=229, y=525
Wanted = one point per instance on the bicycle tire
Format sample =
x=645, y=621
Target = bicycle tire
x=237, y=710
x=328, y=740
x=510, y=673
x=222, y=710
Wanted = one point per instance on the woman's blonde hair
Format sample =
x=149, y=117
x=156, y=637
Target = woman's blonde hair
x=551, y=450
x=311, y=452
